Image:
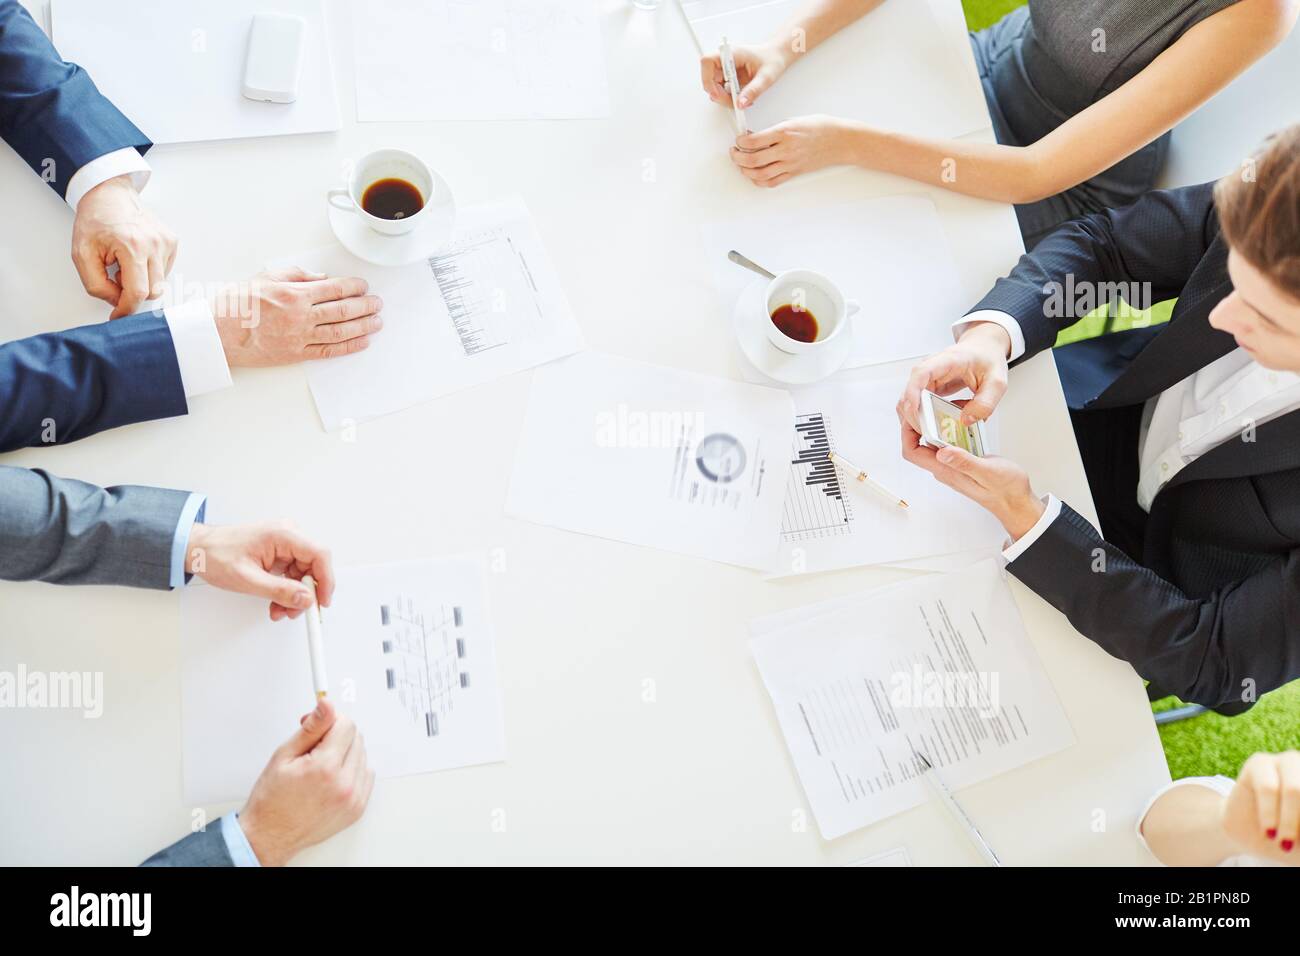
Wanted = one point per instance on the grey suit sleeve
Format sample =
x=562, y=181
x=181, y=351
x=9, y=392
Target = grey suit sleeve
x=205, y=848
x=69, y=532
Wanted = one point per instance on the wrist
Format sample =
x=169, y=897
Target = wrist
x=988, y=333
x=268, y=850
x=1020, y=515
x=232, y=327
x=196, y=547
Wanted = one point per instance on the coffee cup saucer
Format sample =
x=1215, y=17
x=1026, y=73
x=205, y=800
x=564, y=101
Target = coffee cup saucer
x=748, y=319
x=437, y=222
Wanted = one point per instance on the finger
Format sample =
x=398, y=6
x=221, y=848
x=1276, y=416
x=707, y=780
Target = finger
x=133, y=275
x=334, y=746
x=327, y=290
x=343, y=310
x=311, y=558
x=294, y=274
x=157, y=273
x=1288, y=811
x=756, y=159
x=1265, y=785
x=922, y=378
x=172, y=246
x=341, y=332
x=760, y=140
x=987, y=396
x=776, y=180
x=94, y=275
x=312, y=730
x=338, y=349
x=711, y=78
x=275, y=588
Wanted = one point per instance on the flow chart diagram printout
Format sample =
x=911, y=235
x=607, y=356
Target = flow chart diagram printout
x=832, y=521
x=890, y=254
x=855, y=73
x=478, y=60
x=939, y=665
x=486, y=305
x=655, y=456
x=410, y=656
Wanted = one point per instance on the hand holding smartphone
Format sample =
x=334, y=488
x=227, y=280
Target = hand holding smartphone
x=941, y=425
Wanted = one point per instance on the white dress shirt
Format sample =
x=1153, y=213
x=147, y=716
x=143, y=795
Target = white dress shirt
x=120, y=162
x=1225, y=401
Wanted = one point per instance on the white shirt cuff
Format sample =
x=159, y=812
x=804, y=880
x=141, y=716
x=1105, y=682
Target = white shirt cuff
x=121, y=162
x=199, y=353
x=1051, y=512
x=997, y=318
x=241, y=851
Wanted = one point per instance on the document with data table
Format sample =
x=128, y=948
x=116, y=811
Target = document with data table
x=655, y=456
x=939, y=666
x=409, y=652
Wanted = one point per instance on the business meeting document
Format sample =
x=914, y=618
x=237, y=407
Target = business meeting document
x=891, y=254
x=655, y=456
x=478, y=60
x=938, y=665
x=487, y=304
x=410, y=656
x=177, y=69
x=830, y=520
x=855, y=73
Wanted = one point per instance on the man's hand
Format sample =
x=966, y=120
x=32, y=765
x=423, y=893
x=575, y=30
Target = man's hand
x=289, y=316
x=112, y=226
x=267, y=561
x=997, y=484
x=977, y=361
x=316, y=784
x=797, y=146
x=1262, y=813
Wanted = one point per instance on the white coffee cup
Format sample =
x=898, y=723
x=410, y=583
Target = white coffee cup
x=388, y=164
x=813, y=292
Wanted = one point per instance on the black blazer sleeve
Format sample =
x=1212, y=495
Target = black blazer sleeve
x=62, y=386
x=1159, y=239
x=1228, y=647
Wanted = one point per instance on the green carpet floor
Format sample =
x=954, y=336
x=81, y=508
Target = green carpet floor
x=1207, y=744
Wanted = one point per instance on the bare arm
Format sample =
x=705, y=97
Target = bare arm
x=1199, y=64
x=1185, y=828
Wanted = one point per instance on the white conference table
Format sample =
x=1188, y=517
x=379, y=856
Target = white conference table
x=638, y=730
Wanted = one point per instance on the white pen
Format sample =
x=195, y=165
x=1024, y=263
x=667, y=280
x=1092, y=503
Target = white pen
x=733, y=85
x=867, y=480
x=319, y=682
x=950, y=802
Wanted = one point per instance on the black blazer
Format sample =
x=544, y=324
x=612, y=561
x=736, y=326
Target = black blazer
x=1211, y=611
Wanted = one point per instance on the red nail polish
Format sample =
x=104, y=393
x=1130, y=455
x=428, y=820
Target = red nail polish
x=1271, y=833
x=1287, y=845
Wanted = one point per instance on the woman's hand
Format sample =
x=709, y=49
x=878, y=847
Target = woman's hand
x=757, y=68
x=1262, y=813
x=797, y=146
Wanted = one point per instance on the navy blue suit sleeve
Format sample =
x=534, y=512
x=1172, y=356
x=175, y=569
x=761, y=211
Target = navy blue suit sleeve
x=50, y=111
x=1160, y=239
x=63, y=386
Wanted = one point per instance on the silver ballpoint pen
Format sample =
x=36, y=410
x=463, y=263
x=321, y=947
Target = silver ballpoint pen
x=931, y=775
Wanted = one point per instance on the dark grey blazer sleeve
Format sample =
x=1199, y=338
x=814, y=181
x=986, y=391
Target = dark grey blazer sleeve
x=205, y=848
x=1229, y=646
x=1160, y=239
x=68, y=532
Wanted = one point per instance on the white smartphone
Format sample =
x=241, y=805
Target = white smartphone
x=274, y=58
x=941, y=425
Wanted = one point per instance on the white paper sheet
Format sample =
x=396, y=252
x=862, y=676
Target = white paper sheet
x=176, y=69
x=486, y=305
x=831, y=521
x=478, y=60
x=410, y=654
x=891, y=254
x=856, y=74
x=895, y=857
x=655, y=456
x=939, y=665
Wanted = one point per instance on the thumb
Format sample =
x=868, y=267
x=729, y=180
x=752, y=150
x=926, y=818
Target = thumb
x=958, y=459
x=314, y=726
x=276, y=588
x=752, y=90
x=986, y=399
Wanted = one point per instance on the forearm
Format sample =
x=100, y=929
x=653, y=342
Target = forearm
x=1184, y=827
x=817, y=22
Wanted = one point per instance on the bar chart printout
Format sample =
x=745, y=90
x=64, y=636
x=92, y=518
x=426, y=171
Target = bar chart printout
x=815, y=505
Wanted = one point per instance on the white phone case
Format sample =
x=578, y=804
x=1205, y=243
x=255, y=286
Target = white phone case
x=274, y=62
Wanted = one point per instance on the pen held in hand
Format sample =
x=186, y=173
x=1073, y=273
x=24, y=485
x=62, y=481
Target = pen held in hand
x=860, y=475
x=315, y=648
